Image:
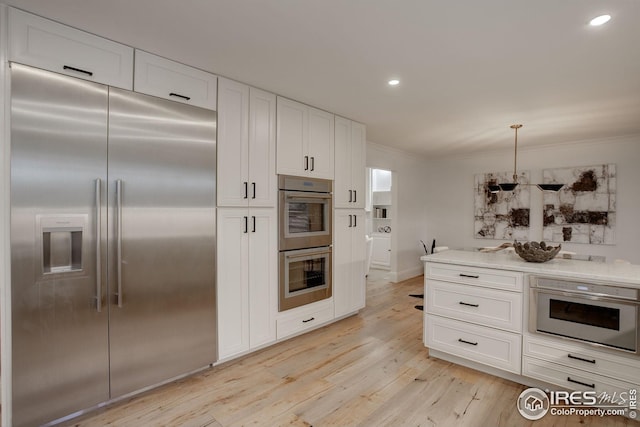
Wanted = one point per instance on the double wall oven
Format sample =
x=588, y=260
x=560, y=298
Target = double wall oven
x=600, y=314
x=305, y=212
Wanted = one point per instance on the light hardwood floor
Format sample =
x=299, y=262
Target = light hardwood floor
x=367, y=370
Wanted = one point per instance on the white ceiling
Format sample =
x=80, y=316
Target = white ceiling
x=468, y=68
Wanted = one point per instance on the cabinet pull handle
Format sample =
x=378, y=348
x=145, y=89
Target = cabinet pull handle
x=253, y=228
x=355, y=221
x=246, y=190
x=177, y=95
x=246, y=224
x=467, y=304
x=350, y=221
x=355, y=196
x=253, y=188
x=469, y=276
x=350, y=196
x=313, y=163
x=306, y=163
x=308, y=320
x=467, y=342
x=571, y=356
x=77, y=70
x=581, y=383
x=98, y=245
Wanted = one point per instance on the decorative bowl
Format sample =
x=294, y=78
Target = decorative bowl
x=536, y=252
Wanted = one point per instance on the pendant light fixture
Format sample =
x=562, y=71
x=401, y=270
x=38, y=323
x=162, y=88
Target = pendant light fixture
x=510, y=186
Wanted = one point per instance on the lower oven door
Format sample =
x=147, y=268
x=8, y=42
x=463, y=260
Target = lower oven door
x=305, y=277
x=603, y=321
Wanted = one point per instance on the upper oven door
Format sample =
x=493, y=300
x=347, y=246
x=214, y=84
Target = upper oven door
x=305, y=219
x=594, y=319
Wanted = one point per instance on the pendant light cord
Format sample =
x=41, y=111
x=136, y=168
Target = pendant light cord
x=515, y=154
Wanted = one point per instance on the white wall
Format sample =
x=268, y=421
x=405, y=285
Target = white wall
x=411, y=207
x=449, y=185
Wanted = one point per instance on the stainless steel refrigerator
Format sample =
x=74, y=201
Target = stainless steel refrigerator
x=112, y=242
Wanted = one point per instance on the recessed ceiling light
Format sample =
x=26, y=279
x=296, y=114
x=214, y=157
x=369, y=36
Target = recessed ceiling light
x=394, y=82
x=599, y=20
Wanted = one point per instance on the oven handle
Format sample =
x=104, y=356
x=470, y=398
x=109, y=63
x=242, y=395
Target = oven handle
x=596, y=297
x=306, y=254
x=326, y=196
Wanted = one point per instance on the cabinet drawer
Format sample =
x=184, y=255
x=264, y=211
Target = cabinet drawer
x=480, y=344
x=303, y=318
x=55, y=47
x=488, y=307
x=573, y=355
x=488, y=277
x=573, y=379
x=171, y=80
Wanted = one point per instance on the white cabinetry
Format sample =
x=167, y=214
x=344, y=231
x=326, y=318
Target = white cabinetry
x=578, y=366
x=349, y=261
x=246, y=146
x=475, y=314
x=247, y=284
x=305, y=140
x=350, y=161
x=52, y=46
x=381, y=253
x=172, y=80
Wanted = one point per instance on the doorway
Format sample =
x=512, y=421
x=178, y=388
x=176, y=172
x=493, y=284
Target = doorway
x=381, y=220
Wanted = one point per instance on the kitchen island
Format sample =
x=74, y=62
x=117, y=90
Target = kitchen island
x=547, y=325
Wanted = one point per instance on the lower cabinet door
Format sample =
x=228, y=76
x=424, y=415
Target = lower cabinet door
x=499, y=349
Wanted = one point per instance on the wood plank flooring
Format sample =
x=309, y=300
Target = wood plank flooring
x=367, y=370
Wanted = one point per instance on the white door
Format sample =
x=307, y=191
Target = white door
x=381, y=254
x=263, y=276
x=262, y=149
x=342, y=189
x=233, y=281
x=291, y=137
x=358, y=163
x=348, y=261
x=233, y=143
x=321, y=144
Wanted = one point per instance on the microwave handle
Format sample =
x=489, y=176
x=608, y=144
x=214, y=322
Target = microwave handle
x=306, y=254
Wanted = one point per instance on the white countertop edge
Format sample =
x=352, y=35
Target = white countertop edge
x=623, y=274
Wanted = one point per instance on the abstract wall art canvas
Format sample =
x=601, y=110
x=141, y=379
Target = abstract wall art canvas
x=584, y=210
x=503, y=215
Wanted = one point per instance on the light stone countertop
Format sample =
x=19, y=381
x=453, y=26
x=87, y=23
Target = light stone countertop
x=623, y=274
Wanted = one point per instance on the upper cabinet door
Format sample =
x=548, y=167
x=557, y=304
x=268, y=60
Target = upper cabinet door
x=55, y=47
x=233, y=143
x=292, y=124
x=342, y=189
x=350, y=141
x=358, y=163
x=172, y=80
x=321, y=144
x=263, y=186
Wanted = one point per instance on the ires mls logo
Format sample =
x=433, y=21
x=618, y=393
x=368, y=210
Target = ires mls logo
x=533, y=404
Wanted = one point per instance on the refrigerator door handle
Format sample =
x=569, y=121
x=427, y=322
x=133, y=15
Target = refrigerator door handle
x=98, y=247
x=119, y=239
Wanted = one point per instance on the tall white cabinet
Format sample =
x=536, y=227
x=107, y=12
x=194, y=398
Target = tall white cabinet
x=349, y=256
x=350, y=163
x=349, y=249
x=247, y=263
x=305, y=140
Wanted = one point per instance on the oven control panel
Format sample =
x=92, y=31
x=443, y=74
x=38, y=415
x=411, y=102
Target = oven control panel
x=585, y=287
